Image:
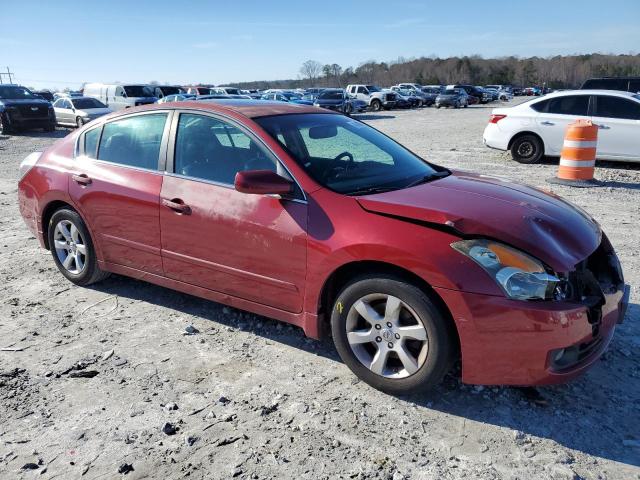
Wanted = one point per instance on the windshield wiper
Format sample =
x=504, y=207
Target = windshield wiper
x=429, y=178
x=372, y=190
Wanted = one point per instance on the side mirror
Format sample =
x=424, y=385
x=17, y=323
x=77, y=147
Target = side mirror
x=262, y=182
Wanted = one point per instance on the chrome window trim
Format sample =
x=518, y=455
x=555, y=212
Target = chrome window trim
x=244, y=129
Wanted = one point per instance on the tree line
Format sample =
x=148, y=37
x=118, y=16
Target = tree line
x=554, y=72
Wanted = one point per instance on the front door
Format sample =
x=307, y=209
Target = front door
x=618, y=121
x=248, y=246
x=116, y=185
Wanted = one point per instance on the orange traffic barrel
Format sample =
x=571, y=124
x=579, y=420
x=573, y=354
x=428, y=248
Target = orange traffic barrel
x=578, y=157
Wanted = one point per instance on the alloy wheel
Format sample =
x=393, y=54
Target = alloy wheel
x=387, y=336
x=70, y=247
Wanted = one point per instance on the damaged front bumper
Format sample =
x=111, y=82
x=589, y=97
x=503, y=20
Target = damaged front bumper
x=511, y=342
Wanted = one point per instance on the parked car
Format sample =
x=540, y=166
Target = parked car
x=178, y=97
x=403, y=101
x=483, y=97
x=198, y=90
x=161, y=91
x=625, y=84
x=453, y=97
x=120, y=96
x=21, y=109
x=492, y=93
x=376, y=98
x=418, y=97
x=286, y=96
x=68, y=94
x=76, y=111
x=226, y=91
x=46, y=94
x=536, y=128
x=339, y=100
x=319, y=220
x=202, y=98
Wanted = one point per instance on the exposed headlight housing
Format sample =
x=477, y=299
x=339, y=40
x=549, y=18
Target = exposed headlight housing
x=520, y=276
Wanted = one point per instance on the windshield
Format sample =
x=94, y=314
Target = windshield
x=15, y=93
x=232, y=91
x=85, y=103
x=346, y=155
x=373, y=88
x=138, y=91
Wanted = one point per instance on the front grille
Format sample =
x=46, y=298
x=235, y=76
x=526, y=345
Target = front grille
x=27, y=111
x=391, y=97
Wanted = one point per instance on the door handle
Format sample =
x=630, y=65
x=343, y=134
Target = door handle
x=603, y=127
x=547, y=123
x=177, y=205
x=81, y=178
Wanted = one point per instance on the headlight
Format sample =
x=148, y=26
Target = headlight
x=519, y=275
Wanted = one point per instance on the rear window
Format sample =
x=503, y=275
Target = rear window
x=133, y=141
x=569, y=105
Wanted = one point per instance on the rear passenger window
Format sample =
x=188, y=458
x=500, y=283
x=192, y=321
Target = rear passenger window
x=210, y=149
x=570, y=105
x=614, y=107
x=91, y=142
x=133, y=141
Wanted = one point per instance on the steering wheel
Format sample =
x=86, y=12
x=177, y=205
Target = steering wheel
x=333, y=165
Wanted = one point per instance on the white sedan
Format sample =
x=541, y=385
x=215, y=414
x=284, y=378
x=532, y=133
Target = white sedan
x=537, y=127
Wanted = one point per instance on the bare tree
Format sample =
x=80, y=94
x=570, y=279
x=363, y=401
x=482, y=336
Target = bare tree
x=311, y=70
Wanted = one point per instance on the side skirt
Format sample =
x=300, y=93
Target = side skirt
x=307, y=321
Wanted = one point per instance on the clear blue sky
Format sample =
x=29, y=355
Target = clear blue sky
x=60, y=43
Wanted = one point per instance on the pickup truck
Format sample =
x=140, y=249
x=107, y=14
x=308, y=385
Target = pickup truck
x=376, y=98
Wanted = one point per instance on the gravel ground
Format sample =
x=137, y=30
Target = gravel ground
x=106, y=382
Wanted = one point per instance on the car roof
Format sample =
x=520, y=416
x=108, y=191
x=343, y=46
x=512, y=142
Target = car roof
x=617, y=93
x=247, y=108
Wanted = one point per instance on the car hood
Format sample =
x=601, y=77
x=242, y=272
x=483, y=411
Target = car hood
x=95, y=111
x=10, y=102
x=539, y=223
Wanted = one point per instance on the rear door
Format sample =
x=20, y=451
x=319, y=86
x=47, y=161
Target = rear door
x=555, y=115
x=116, y=185
x=618, y=121
x=247, y=246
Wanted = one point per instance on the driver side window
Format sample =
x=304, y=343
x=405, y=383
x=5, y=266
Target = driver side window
x=210, y=149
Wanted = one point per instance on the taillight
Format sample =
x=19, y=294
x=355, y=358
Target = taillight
x=496, y=118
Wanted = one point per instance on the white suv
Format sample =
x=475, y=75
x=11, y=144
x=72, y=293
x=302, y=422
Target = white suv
x=537, y=127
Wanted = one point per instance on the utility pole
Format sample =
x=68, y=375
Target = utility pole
x=8, y=74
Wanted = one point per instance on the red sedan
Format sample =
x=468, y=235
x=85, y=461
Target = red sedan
x=317, y=219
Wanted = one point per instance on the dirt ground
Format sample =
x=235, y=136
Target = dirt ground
x=98, y=373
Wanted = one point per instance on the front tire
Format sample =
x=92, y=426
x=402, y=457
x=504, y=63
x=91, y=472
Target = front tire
x=5, y=129
x=376, y=105
x=79, y=122
x=391, y=334
x=72, y=248
x=527, y=149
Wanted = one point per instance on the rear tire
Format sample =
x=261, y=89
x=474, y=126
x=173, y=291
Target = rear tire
x=412, y=355
x=68, y=238
x=527, y=149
